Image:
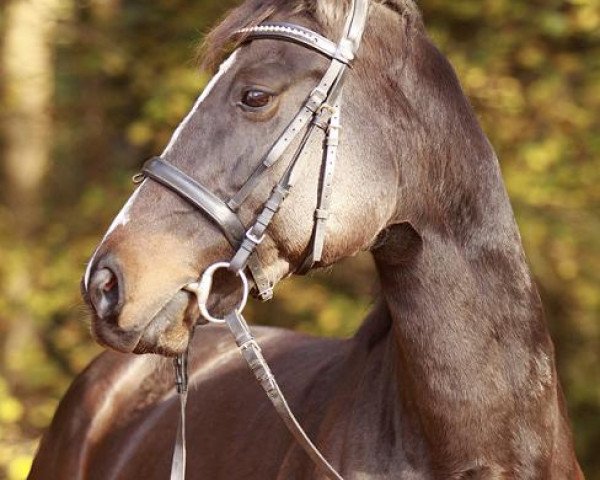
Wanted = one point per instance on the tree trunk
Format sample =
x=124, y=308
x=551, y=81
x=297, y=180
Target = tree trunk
x=28, y=88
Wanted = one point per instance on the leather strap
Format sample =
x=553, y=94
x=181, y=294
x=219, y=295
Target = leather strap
x=355, y=24
x=327, y=88
x=290, y=32
x=311, y=106
x=275, y=154
x=252, y=353
x=198, y=195
x=322, y=211
x=280, y=192
x=181, y=383
x=232, y=227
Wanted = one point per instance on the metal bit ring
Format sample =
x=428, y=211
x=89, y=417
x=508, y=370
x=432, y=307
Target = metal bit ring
x=203, y=287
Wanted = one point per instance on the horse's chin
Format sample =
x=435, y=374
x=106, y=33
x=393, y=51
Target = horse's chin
x=169, y=332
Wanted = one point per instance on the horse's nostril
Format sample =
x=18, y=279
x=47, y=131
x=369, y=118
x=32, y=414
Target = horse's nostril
x=104, y=292
x=110, y=284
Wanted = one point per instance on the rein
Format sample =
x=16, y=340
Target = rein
x=321, y=110
x=252, y=354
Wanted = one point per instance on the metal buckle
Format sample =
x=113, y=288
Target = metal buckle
x=138, y=178
x=327, y=108
x=266, y=294
x=253, y=238
x=322, y=116
x=203, y=287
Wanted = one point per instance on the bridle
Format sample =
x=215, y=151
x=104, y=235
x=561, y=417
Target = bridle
x=321, y=110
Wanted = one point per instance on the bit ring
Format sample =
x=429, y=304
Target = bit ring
x=203, y=287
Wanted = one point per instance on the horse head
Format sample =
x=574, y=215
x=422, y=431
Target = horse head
x=159, y=243
x=410, y=153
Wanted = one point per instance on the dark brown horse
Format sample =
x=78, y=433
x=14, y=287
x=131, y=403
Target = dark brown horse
x=452, y=375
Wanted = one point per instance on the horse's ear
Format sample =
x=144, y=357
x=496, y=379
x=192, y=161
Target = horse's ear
x=331, y=13
x=404, y=8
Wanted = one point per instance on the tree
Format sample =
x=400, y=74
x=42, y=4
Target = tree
x=28, y=89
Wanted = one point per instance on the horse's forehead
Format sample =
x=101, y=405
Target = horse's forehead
x=222, y=71
x=267, y=56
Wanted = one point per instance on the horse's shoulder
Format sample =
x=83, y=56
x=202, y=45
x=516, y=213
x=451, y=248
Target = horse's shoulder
x=85, y=413
x=120, y=389
x=213, y=348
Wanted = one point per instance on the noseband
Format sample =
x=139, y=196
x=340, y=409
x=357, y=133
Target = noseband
x=320, y=110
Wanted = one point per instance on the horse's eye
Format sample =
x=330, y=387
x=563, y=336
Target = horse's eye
x=256, y=98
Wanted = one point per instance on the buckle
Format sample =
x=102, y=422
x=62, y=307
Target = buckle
x=264, y=295
x=253, y=238
x=138, y=178
x=326, y=108
x=322, y=116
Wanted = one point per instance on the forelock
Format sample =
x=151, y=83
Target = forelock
x=327, y=14
x=221, y=41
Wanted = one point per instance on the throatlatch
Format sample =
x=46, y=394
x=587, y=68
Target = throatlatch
x=320, y=111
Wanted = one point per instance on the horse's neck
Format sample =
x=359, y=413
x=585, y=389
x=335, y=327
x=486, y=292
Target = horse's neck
x=466, y=342
x=472, y=354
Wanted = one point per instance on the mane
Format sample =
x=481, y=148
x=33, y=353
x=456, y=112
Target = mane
x=327, y=17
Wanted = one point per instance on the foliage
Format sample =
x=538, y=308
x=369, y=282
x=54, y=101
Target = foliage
x=532, y=70
x=125, y=75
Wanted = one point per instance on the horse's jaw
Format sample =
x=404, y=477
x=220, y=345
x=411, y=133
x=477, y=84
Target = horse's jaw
x=169, y=331
x=163, y=328
x=166, y=332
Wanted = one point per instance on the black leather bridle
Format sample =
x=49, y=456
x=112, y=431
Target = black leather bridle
x=321, y=110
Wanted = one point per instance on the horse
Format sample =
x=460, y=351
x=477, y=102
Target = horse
x=451, y=375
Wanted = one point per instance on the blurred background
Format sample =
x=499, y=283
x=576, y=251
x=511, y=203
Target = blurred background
x=91, y=88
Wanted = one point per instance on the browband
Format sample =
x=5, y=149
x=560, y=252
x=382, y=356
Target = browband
x=300, y=35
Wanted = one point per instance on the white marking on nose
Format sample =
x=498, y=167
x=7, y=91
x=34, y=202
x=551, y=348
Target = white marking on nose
x=120, y=220
x=123, y=217
x=223, y=69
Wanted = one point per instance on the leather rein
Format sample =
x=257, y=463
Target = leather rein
x=320, y=110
